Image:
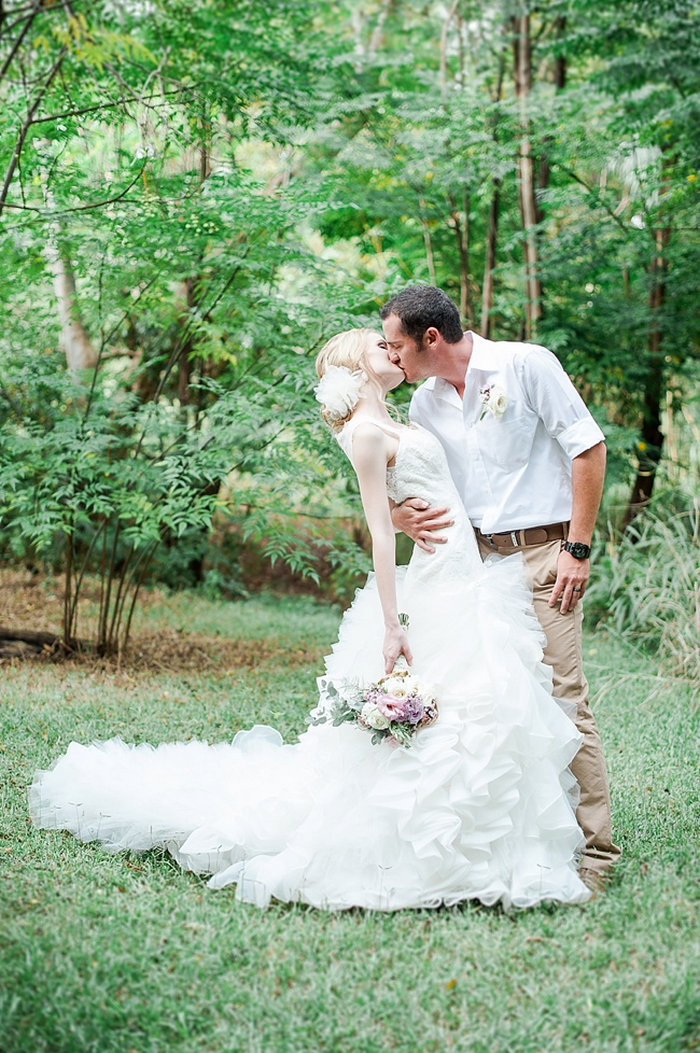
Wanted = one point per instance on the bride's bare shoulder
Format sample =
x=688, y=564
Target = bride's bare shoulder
x=371, y=438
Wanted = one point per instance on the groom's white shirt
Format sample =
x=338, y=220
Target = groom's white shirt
x=513, y=470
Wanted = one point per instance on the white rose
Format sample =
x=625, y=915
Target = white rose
x=395, y=685
x=372, y=716
x=497, y=401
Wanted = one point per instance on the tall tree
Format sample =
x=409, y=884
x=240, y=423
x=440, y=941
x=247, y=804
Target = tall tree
x=527, y=180
x=654, y=58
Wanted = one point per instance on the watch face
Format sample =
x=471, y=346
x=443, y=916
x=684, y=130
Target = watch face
x=577, y=549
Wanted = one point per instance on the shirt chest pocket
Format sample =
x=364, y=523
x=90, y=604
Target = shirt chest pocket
x=506, y=441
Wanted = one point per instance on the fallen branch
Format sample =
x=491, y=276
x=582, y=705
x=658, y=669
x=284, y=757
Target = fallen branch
x=26, y=643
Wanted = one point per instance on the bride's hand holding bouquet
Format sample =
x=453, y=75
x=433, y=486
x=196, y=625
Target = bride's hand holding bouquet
x=396, y=646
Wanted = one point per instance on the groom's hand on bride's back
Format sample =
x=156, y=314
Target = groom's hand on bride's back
x=422, y=522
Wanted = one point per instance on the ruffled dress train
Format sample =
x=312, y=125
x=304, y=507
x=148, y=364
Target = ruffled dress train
x=481, y=806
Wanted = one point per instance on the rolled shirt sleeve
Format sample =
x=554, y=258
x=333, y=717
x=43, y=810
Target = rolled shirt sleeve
x=581, y=436
x=553, y=397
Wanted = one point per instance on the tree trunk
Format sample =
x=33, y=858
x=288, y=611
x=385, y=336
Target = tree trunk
x=75, y=342
x=187, y=349
x=365, y=53
x=544, y=170
x=522, y=72
x=443, y=46
x=560, y=60
x=462, y=234
x=491, y=244
x=651, y=441
x=68, y=606
x=377, y=38
x=428, y=242
x=494, y=209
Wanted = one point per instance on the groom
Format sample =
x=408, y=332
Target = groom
x=529, y=461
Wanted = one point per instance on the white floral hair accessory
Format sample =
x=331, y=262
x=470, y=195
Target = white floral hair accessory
x=338, y=391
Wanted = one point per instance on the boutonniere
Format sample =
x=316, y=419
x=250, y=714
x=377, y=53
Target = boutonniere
x=493, y=401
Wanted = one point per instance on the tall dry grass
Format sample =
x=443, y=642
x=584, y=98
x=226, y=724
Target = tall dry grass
x=647, y=587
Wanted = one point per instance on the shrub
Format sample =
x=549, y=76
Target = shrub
x=647, y=586
x=98, y=482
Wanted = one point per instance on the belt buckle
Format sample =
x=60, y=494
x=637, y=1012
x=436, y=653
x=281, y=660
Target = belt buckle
x=514, y=540
x=489, y=538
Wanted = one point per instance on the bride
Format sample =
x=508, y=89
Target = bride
x=480, y=805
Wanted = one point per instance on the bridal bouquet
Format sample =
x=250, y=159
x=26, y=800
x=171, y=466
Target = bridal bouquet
x=395, y=707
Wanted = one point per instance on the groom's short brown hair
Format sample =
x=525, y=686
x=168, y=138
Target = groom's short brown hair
x=420, y=307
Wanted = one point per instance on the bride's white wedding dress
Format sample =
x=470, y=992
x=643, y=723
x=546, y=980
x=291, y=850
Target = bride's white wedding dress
x=480, y=807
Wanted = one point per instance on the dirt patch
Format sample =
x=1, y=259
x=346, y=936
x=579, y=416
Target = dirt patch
x=30, y=601
x=170, y=649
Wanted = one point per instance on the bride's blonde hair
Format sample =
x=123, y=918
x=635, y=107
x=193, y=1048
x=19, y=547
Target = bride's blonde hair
x=348, y=349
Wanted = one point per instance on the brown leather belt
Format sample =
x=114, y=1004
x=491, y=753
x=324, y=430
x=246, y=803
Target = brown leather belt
x=522, y=538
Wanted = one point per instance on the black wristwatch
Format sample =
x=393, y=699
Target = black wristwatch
x=577, y=549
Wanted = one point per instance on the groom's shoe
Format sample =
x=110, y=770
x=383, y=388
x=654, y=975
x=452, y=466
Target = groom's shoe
x=595, y=880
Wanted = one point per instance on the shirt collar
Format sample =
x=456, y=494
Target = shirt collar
x=481, y=357
x=442, y=389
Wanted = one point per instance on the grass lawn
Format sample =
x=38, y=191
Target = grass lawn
x=117, y=953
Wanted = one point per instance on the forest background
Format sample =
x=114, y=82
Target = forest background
x=194, y=195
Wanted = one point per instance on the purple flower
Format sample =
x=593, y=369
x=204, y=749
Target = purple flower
x=414, y=710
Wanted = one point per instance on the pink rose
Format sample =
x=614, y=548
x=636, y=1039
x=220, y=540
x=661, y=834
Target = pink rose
x=391, y=706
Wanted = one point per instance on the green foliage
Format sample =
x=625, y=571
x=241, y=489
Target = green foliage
x=181, y=254
x=108, y=480
x=647, y=587
x=230, y=184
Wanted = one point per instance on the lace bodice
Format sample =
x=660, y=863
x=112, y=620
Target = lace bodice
x=420, y=469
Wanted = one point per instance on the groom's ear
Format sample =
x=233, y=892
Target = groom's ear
x=431, y=338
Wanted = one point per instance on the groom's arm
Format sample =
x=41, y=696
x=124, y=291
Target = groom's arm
x=416, y=517
x=551, y=393
x=421, y=521
x=587, y=477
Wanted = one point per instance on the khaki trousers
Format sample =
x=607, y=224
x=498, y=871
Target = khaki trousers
x=563, y=653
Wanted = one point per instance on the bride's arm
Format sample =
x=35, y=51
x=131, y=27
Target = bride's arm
x=371, y=451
